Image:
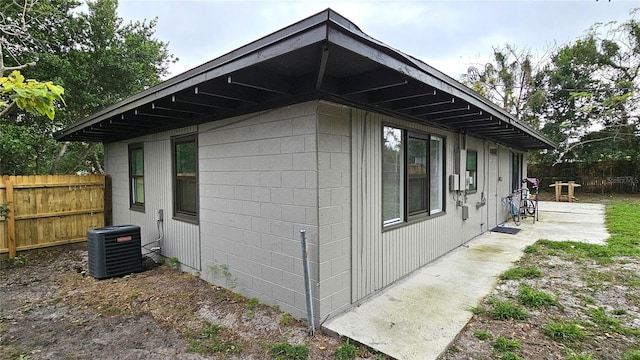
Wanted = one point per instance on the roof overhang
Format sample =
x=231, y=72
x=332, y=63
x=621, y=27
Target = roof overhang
x=323, y=57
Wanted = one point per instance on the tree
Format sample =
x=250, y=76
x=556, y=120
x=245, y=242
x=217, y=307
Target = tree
x=591, y=103
x=99, y=60
x=29, y=95
x=508, y=81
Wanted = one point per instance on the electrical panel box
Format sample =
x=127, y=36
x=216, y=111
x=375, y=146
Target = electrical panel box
x=454, y=182
x=114, y=251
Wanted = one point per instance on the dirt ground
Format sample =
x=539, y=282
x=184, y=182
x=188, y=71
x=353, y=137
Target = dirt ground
x=50, y=308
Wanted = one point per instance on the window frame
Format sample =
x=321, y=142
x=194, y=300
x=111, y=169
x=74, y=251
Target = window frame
x=180, y=214
x=133, y=204
x=516, y=170
x=473, y=189
x=407, y=217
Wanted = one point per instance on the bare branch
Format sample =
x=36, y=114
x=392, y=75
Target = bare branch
x=19, y=67
x=7, y=110
x=580, y=143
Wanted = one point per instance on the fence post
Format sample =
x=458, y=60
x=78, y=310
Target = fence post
x=11, y=221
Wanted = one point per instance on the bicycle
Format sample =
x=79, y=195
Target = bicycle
x=514, y=208
x=526, y=203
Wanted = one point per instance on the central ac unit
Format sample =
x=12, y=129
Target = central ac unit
x=114, y=251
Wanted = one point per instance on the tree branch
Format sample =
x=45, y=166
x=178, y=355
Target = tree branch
x=19, y=67
x=7, y=109
x=580, y=143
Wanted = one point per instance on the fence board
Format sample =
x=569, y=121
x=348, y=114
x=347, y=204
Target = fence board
x=50, y=210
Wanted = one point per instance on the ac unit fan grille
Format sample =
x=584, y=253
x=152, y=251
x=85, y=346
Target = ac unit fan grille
x=114, y=251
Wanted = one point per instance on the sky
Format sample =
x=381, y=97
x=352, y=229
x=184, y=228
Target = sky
x=448, y=35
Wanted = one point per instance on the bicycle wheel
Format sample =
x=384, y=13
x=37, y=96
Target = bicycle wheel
x=530, y=207
x=516, y=219
x=515, y=211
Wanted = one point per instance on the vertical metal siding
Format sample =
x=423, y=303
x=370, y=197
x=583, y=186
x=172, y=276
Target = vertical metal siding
x=181, y=239
x=380, y=258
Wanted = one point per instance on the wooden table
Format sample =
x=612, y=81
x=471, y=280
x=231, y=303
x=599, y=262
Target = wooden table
x=571, y=185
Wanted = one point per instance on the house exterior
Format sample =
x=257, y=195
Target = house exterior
x=383, y=161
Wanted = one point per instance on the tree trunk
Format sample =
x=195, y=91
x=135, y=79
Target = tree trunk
x=56, y=162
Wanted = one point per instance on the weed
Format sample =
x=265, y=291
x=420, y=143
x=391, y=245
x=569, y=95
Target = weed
x=173, y=262
x=20, y=260
x=564, y=332
x=588, y=300
x=504, y=310
x=482, y=335
x=284, y=320
x=518, y=273
x=601, y=319
x=619, y=312
x=632, y=355
x=208, y=343
x=223, y=270
x=531, y=249
x=503, y=344
x=275, y=307
x=252, y=303
x=511, y=356
x=453, y=349
x=237, y=297
x=346, y=351
x=478, y=310
x=286, y=351
x=536, y=299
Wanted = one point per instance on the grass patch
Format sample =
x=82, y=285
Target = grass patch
x=286, y=351
x=632, y=355
x=518, y=273
x=346, y=351
x=482, y=335
x=527, y=296
x=504, y=310
x=478, y=310
x=511, y=356
x=503, y=344
x=601, y=319
x=531, y=249
x=208, y=342
x=564, y=332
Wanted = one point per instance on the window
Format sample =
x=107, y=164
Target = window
x=392, y=176
x=472, y=170
x=516, y=171
x=136, y=177
x=185, y=178
x=436, y=169
x=412, y=175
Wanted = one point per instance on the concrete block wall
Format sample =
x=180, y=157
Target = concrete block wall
x=334, y=205
x=258, y=189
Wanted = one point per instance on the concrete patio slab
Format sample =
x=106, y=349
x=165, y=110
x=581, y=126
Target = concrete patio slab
x=419, y=316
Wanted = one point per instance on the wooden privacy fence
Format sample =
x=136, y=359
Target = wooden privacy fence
x=49, y=210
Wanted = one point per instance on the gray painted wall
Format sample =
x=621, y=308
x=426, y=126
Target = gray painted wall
x=258, y=189
x=334, y=206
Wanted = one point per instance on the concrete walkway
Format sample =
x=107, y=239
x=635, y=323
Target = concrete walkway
x=419, y=316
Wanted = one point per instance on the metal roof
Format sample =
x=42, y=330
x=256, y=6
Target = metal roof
x=323, y=57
